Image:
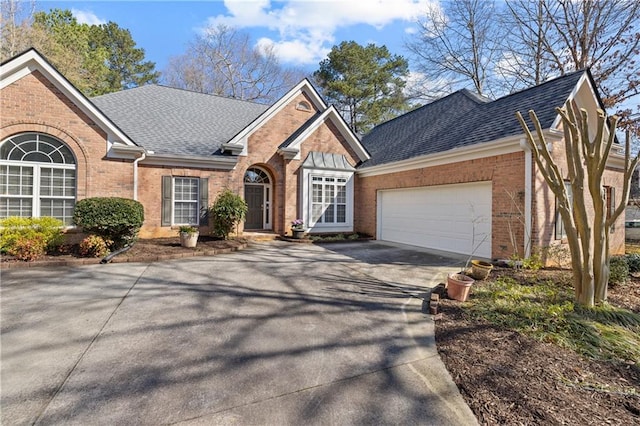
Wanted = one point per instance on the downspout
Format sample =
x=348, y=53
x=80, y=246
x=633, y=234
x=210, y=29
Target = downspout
x=135, y=174
x=528, y=193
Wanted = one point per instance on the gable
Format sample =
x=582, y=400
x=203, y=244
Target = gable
x=291, y=120
x=32, y=63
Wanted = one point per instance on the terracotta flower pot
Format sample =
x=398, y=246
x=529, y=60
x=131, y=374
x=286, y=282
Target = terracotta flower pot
x=480, y=270
x=458, y=286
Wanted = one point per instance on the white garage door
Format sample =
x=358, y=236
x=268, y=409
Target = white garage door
x=454, y=218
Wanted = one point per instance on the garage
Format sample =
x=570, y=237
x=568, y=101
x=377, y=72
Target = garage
x=455, y=218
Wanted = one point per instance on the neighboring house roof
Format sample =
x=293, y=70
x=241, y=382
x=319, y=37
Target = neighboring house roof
x=166, y=120
x=463, y=119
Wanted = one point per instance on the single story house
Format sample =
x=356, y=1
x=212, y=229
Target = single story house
x=453, y=175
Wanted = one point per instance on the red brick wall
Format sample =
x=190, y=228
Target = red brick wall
x=544, y=206
x=505, y=171
x=33, y=104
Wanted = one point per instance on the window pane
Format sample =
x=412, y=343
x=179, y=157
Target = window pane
x=15, y=207
x=186, y=189
x=341, y=214
x=329, y=214
x=317, y=213
x=16, y=180
x=341, y=197
x=186, y=213
x=317, y=193
x=59, y=208
x=328, y=193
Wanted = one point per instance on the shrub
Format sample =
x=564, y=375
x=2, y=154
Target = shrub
x=47, y=229
x=633, y=260
x=94, y=246
x=228, y=209
x=618, y=270
x=29, y=248
x=112, y=218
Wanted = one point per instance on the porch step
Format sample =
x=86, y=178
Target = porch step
x=260, y=236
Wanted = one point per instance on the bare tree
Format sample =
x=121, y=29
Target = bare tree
x=15, y=24
x=224, y=62
x=587, y=234
x=526, y=60
x=457, y=45
x=565, y=36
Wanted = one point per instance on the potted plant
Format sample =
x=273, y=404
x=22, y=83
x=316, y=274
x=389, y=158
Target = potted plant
x=458, y=286
x=188, y=236
x=480, y=270
x=297, y=228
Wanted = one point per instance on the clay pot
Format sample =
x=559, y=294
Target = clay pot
x=480, y=270
x=458, y=286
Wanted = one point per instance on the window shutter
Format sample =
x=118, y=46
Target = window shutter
x=612, y=205
x=204, y=201
x=166, y=201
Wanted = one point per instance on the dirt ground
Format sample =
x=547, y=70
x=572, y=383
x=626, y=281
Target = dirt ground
x=143, y=250
x=509, y=378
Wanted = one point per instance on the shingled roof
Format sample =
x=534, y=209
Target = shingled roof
x=175, y=121
x=463, y=119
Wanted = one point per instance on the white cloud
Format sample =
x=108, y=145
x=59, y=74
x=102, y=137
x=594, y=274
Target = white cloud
x=87, y=17
x=306, y=28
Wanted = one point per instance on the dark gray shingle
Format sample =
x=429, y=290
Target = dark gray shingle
x=464, y=119
x=174, y=121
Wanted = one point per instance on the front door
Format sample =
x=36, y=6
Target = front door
x=254, y=197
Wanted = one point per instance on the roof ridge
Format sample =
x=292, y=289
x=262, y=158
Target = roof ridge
x=544, y=83
x=164, y=86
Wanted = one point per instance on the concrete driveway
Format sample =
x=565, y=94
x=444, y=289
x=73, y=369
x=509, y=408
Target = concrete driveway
x=278, y=334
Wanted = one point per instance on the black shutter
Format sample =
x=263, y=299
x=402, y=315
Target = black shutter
x=204, y=201
x=166, y=201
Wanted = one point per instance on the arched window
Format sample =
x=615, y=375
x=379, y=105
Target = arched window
x=37, y=177
x=255, y=175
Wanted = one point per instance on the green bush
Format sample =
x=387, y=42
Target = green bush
x=94, y=246
x=112, y=218
x=633, y=260
x=47, y=230
x=227, y=210
x=618, y=270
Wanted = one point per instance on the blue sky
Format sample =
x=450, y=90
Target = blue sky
x=302, y=31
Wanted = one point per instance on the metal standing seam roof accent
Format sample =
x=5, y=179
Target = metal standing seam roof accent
x=174, y=121
x=463, y=119
x=327, y=161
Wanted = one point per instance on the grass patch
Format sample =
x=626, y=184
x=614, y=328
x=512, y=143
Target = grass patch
x=544, y=309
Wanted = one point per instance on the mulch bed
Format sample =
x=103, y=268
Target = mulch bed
x=509, y=378
x=144, y=250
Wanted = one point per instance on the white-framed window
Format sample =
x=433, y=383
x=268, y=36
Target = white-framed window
x=37, y=177
x=327, y=200
x=184, y=200
x=186, y=210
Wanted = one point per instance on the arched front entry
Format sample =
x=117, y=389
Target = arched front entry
x=258, y=195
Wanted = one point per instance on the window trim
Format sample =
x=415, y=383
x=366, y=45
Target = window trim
x=168, y=201
x=307, y=200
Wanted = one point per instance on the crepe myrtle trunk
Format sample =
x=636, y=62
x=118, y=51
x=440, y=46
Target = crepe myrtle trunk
x=587, y=234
